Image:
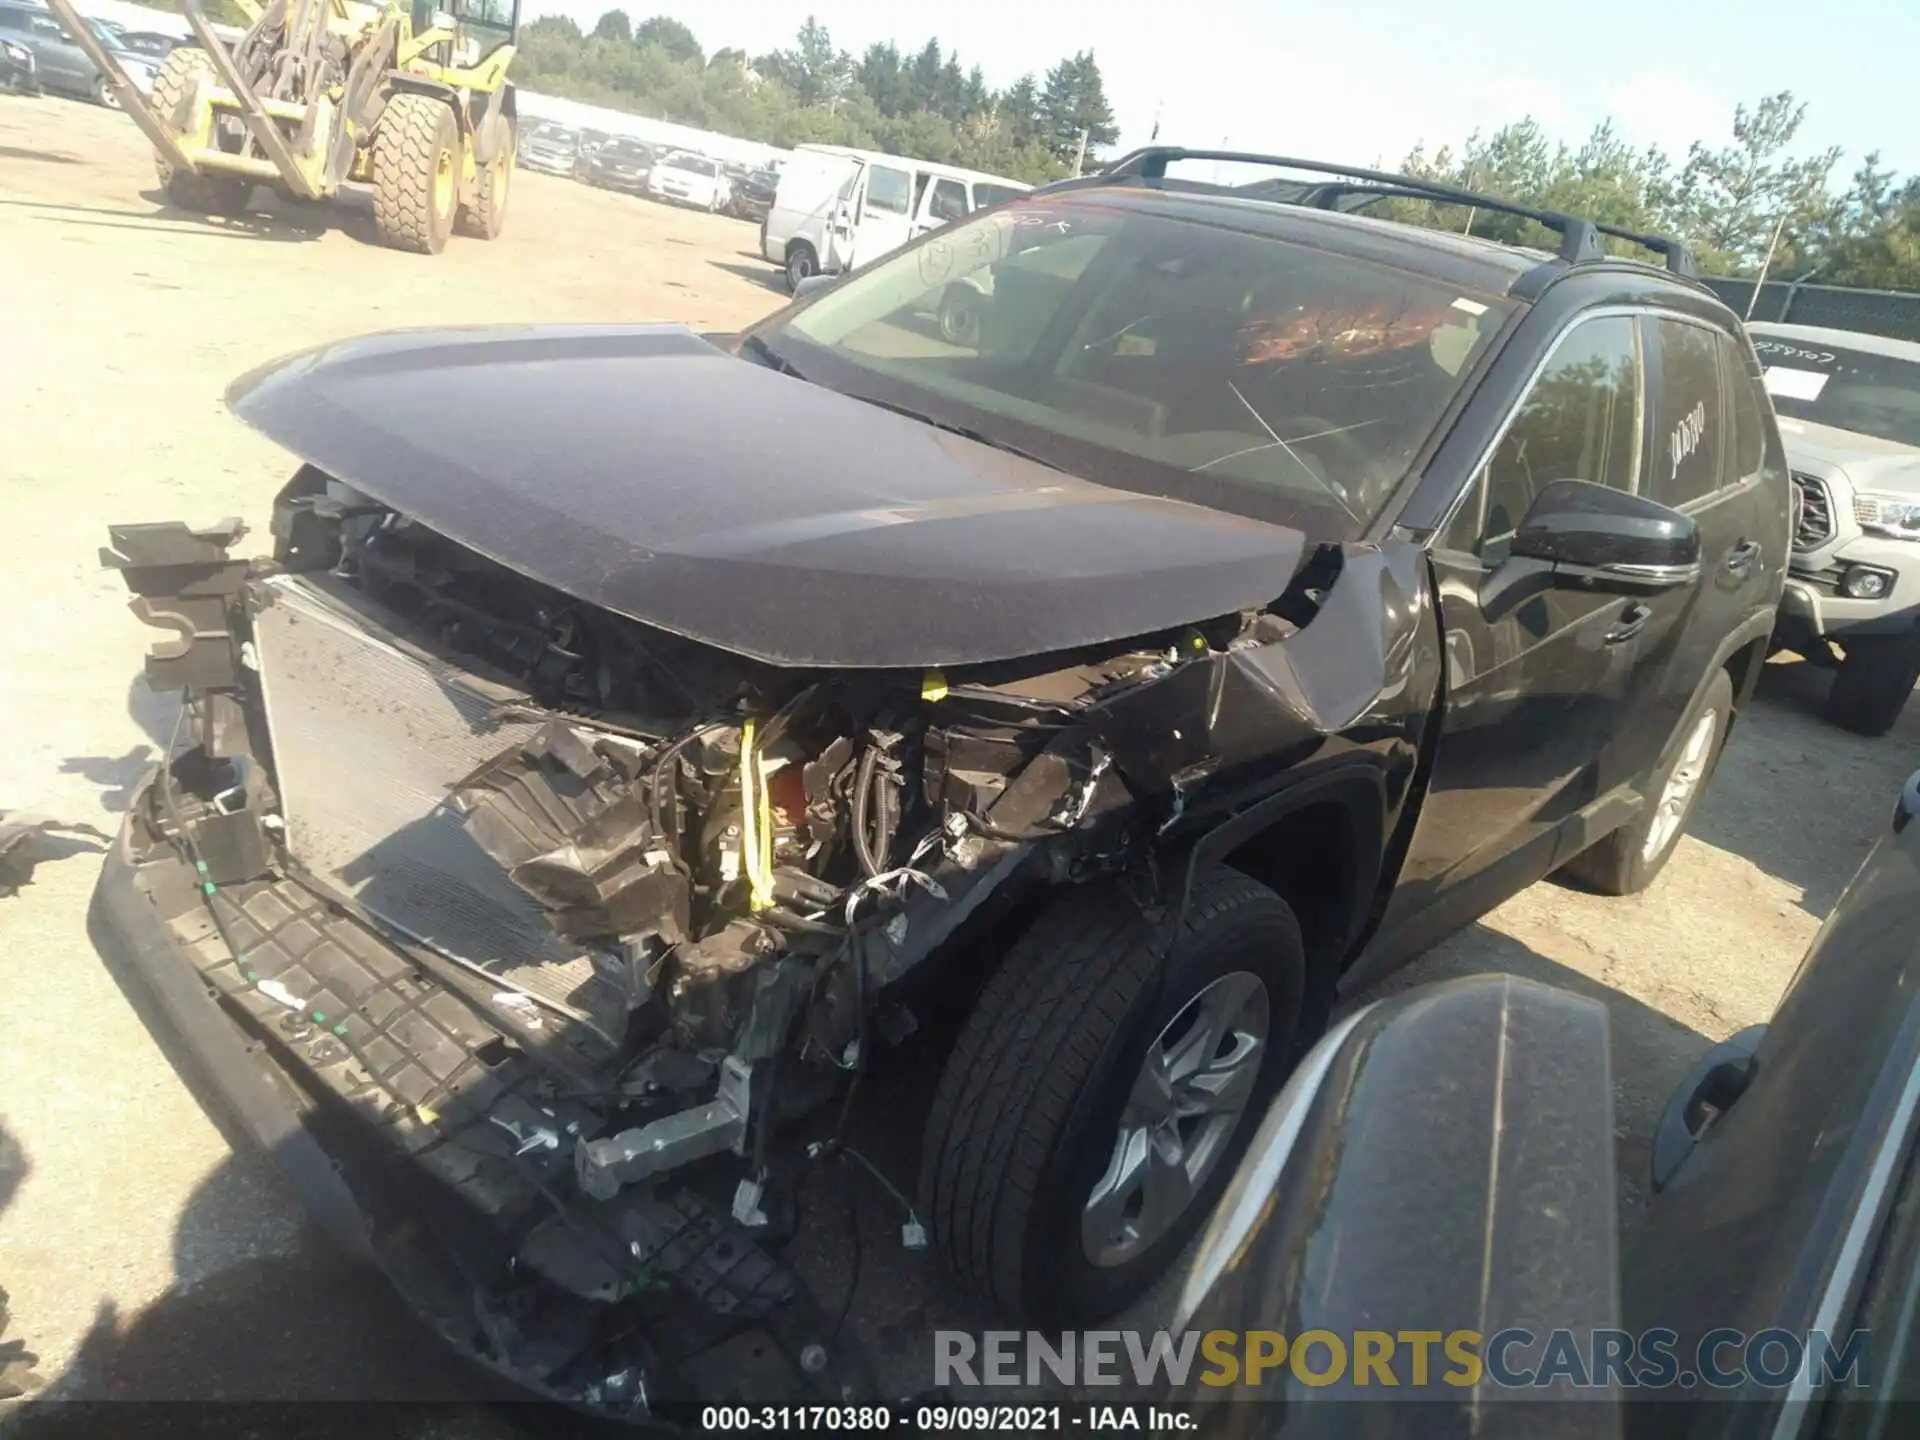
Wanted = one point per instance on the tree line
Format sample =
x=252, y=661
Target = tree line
x=1753, y=203
x=926, y=103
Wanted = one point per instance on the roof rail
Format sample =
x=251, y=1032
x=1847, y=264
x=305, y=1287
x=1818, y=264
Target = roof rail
x=1579, y=238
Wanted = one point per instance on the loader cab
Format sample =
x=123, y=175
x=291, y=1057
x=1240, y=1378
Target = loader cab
x=480, y=27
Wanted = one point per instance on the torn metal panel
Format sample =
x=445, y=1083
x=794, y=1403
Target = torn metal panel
x=870, y=540
x=1216, y=729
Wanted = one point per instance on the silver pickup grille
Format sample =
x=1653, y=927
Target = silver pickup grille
x=367, y=742
x=1813, y=514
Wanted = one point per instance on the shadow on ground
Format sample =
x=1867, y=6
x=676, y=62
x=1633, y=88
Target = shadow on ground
x=761, y=274
x=1798, y=797
x=304, y=1323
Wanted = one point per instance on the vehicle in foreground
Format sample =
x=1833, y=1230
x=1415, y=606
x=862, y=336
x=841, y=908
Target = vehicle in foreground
x=1849, y=408
x=19, y=70
x=621, y=165
x=549, y=148
x=681, y=177
x=312, y=96
x=1257, y=601
x=1786, y=1206
x=61, y=61
x=836, y=208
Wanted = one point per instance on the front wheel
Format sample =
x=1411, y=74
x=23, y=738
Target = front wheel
x=416, y=173
x=1874, y=682
x=104, y=93
x=802, y=264
x=1632, y=857
x=1102, y=1090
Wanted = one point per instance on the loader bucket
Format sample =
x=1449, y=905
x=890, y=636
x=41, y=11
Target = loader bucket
x=131, y=100
x=179, y=138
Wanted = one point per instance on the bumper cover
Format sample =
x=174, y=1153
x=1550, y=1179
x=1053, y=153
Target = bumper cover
x=1814, y=602
x=225, y=1024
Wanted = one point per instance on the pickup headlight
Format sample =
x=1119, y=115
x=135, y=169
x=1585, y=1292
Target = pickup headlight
x=1895, y=516
x=18, y=54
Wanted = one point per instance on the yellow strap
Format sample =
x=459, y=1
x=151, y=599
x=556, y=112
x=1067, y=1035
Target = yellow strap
x=756, y=823
x=933, y=686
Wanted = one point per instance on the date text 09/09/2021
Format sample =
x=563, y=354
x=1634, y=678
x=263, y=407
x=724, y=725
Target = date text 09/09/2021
x=946, y=1419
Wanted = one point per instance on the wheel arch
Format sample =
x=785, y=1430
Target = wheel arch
x=1329, y=887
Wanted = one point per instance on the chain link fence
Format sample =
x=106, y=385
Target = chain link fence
x=1892, y=313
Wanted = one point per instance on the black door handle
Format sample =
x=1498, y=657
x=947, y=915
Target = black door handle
x=1632, y=621
x=1740, y=559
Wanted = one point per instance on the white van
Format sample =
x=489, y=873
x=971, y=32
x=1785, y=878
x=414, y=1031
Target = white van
x=838, y=208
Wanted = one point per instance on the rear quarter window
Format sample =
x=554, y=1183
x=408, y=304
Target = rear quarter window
x=1689, y=413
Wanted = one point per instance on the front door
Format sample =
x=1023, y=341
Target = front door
x=1535, y=691
x=883, y=218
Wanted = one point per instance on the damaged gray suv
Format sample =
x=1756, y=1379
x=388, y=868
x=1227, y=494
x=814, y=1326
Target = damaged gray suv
x=581, y=801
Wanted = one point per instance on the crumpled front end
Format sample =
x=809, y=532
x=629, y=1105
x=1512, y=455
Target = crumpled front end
x=574, y=915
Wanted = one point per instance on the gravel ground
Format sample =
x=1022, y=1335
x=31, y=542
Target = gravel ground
x=145, y=1258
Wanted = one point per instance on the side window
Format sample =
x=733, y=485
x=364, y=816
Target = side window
x=1749, y=429
x=890, y=190
x=1580, y=421
x=949, y=201
x=1683, y=463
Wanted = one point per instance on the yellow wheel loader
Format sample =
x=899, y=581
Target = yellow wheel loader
x=412, y=101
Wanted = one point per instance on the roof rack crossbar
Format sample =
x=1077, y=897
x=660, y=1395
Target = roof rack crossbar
x=1579, y=238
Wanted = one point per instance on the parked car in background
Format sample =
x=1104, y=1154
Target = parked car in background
x=621, y=164
x=1849, y=408
x=1785, y=1205
x=684, y=178
x=836, y=208
x=151, y=43
x=19, y=71
x=753, y=192
x=62, y=65
x=550, y=149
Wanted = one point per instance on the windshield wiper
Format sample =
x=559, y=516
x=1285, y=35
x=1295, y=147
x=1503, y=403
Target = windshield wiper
x=966, y=432
x=770, y=357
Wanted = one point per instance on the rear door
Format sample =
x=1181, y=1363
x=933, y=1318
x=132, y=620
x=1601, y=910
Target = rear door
x=1535, y=692
x=1703, y=458
x=883, y=219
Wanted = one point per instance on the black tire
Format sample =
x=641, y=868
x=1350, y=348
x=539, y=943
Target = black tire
x=1620, y=864
x=960, y=316
x=484, y=216
x=416, y=170
x=1030, y=1104
x=802, y=264
x=1874, y=682
x=207, y=194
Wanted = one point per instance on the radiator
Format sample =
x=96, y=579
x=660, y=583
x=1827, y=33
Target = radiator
x=367, y=742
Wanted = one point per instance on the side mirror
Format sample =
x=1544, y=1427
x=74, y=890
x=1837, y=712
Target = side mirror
x=1596, y=537
x=1436, y=1180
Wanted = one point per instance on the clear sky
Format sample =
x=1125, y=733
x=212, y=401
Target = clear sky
x=1363, y=81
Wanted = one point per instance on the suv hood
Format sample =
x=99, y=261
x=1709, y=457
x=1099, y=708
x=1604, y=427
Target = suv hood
x=1867, y=462
x=643, y=470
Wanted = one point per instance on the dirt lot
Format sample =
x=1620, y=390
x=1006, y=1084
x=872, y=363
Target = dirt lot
x=143, y=1257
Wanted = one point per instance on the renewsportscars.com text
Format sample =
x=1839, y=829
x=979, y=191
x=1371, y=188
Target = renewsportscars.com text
x=1392, y=1359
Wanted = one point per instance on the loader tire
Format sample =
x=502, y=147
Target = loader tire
x=208, y=194
x=416, y=173
x=486, y=216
